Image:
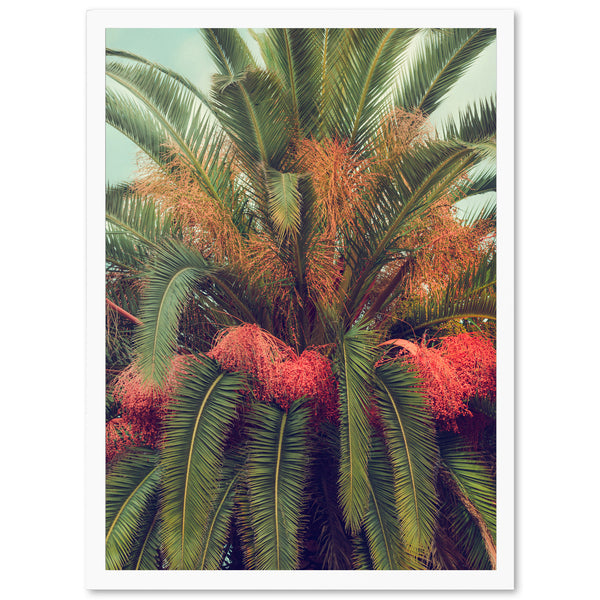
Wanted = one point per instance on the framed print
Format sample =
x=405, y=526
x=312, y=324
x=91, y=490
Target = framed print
x=300, y=300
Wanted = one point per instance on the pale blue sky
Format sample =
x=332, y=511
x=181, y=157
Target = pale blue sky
x=183, y=50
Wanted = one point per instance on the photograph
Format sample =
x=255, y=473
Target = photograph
x=303, y=355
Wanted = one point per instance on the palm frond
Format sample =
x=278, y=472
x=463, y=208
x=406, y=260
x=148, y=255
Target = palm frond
x=145, y=554
x=409, y=433
x=335, y=546
x=131, y=488
x=482, y=182
x=353, y=362
x=184, y=81
x=328, y=43
x=177, y=271
x=221, y=516
x=365, y=63
x=381, y=524
x=475, y=123
x=284, y=201
x=295, y=55
x=473, y=484
x=229, y=51
x=243, y=521
x=475, y=126
x=134, y=226
x=252, y=111
x=277, y=465
x=192, y=455
x=361, y=557
x=177, y=115
x=145, y=131
x=439, y=63
x=470, y=293
x=421, y=178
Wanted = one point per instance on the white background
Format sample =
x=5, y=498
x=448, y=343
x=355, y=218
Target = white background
x=43, y=303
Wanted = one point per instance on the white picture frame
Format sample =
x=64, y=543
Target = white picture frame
x=96, y=576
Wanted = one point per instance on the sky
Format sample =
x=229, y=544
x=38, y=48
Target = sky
x=183, y=50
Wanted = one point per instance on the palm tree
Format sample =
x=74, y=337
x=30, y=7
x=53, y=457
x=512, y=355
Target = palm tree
x=292, y=233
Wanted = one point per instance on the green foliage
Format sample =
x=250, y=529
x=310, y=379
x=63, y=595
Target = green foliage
x=277, y=464
x=353, y=366
x=237, y=481
x=410, y=435
x=131, y=488
x=442, y=57
x=192, y=458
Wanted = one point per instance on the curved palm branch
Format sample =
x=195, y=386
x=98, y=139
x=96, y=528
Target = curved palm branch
x=416, y=183
x=353, y=363
x=191, y=458
x=475, y=125
x=381, y=524
x=469, y=294
x=442, y=57
x=184, y=81
x=177, y=272
x=131, y=488
x=468, y=478
x=409, y=433
x=221, y=516
x=163, y=112
x=276, y=472
x=145, y=554
x=335, y=544
x=134, y=227
x=295, y=55
x=229, y=51
x=367, y=61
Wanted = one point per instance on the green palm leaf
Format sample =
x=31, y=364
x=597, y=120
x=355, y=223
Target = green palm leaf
x=243, y=522
x=295, y=55
x=184, y=81
x=361, y=556
x=177, y=115
x=476, y=123
x=219, y=520
x=381, y=523
x=252, y=111
x=229, y=51
x=277, y=465
x=467, y=535
x=482, y=182
x=284, y=201
x=191, y=458
x=467, y=476
x=131, y=488
x=146, y=132
x=409, y=433
x=366, y=61
x=469, y=294
x=353, y=363
x=326, y=519
x=145, y=552
x=134, y=226
x=176, y=273
x=422, y=176
x=441, y=59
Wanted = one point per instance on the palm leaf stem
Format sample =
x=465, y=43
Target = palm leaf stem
x=123, y=312
x=454, y=486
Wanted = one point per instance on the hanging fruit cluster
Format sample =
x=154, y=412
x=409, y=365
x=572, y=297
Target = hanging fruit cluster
x=277, y=373
x=452, y=371
x=143, y=408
